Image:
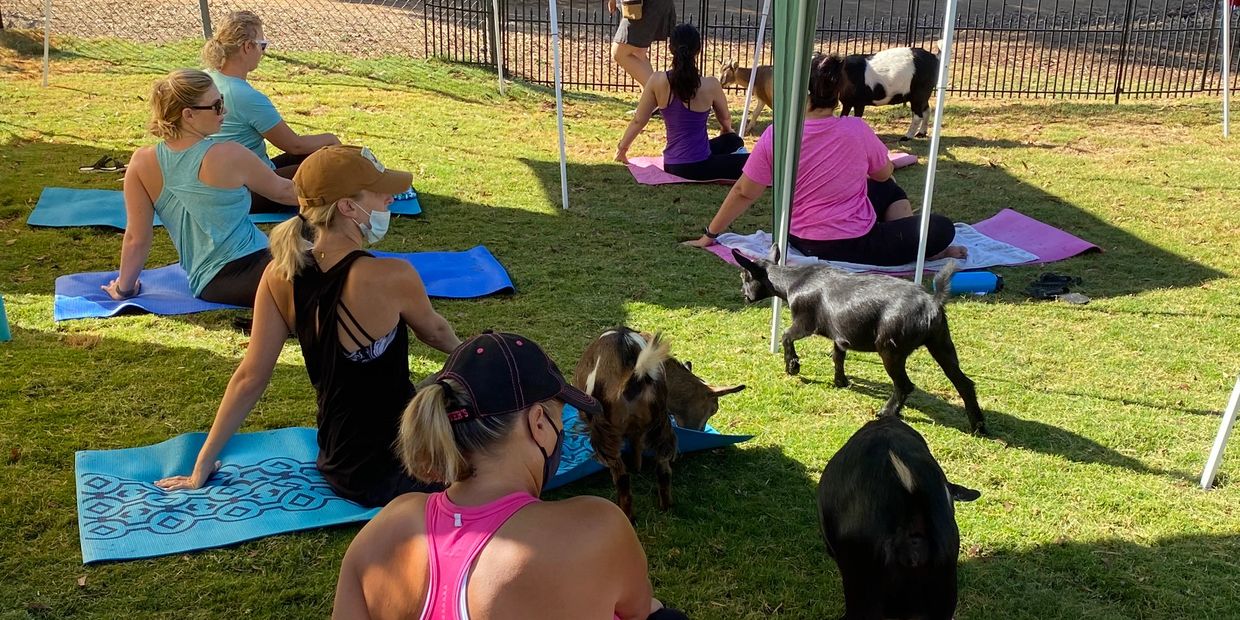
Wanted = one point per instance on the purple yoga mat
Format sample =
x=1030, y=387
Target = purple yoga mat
x=1046, y=242
x=649, y=170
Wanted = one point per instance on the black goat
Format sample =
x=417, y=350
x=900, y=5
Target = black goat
x=894, y=76
x=863, y=312
x=888, y=518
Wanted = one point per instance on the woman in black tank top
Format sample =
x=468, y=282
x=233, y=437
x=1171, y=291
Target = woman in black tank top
x=350, y=312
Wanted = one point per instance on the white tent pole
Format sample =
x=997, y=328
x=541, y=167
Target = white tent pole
x=47, y=39
x=753, y=68
x=949, y=29
x=559, y=102
x=785, y=216
x=499, y=47
x=1220, y=441
x=1226, y=68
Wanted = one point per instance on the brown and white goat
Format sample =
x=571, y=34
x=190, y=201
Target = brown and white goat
x=763, y=87
x=638, y=383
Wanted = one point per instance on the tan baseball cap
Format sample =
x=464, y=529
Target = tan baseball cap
x=335, y=172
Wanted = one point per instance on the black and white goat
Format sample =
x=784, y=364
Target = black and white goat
x=889, y=77
x=863, y=312
x=888, y=517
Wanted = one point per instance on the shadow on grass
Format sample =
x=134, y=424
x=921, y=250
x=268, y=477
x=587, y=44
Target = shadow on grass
x=965, y=192
x=1012, y=431
x=1106, y=579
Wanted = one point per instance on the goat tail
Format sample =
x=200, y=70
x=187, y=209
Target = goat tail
x=943, y=282
x=650, y=361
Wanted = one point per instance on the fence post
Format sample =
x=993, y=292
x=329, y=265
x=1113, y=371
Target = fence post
x=911, y=30
x=206, y=18
x=1123, y=49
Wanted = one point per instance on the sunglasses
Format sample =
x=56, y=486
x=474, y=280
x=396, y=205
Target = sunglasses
x=262, y=45
x=218, y=106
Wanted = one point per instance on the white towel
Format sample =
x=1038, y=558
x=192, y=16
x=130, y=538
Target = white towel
x=983, y=252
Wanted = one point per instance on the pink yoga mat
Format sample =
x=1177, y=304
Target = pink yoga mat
x=649, y=170
x=1046, y=242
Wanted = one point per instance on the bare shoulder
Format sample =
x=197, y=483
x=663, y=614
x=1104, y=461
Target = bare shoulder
x=144, y=156
x=384, y=271
x=711, y=82
x=399, y=521
x=584, y=518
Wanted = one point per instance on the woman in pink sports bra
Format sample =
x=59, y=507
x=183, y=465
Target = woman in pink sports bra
x=487, y=547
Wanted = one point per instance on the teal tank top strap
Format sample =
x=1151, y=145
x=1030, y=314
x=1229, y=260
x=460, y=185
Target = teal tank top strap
x=180, y=168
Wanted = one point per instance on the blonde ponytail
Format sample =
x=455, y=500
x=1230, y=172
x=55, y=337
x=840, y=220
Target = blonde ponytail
x=170, y=97
x=426, y=444
x=237, y=29
x=289, y=247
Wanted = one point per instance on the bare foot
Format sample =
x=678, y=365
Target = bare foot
x=952, y=251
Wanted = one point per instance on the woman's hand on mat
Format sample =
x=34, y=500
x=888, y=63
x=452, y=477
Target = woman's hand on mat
x=700, y=242
x=113, y=289
x=187, y=483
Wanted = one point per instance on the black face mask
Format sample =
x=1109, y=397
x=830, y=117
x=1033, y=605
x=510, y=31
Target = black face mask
x=551, y=462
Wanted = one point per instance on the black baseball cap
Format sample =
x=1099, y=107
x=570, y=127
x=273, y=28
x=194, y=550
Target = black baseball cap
x=505, y=373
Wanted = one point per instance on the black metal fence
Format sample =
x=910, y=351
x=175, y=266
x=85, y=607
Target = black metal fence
x=1055, y=48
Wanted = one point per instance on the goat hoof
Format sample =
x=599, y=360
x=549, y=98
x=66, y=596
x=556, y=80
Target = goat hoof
x=905, y=139
x=888, y=411
x=980, y=430
x=921, y=135
x=841, y=382
x=793, y=366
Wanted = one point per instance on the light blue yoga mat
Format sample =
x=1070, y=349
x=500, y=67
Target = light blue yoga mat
x=65, y=207
x=267, y=485
x=449, y=275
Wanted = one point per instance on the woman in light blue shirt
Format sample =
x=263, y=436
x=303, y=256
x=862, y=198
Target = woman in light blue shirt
x=231, y=54
x=200, y=188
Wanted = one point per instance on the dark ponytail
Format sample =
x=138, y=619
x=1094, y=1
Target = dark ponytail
x=684, y=77
x=826, y=80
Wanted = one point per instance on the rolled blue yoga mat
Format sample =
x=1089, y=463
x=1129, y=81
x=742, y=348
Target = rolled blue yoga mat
x=267, y=485
x=62, y=207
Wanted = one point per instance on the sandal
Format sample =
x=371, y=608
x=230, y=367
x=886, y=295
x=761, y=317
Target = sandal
x=107, y=163
x=1051, y=285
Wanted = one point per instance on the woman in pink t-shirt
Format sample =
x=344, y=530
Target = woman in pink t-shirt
x=845, y=206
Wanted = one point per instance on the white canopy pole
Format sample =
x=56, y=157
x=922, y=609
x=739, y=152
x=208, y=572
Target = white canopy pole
x=753, y=68
x=47, y=37
x=559, y=102
x=1220, y=441
x=1226, y=68
x=499, y=47
x=949, y=29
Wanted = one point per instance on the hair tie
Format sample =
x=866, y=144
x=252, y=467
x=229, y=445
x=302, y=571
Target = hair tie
x=302, y=218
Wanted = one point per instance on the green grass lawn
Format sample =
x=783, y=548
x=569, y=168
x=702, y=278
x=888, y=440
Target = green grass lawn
x=1102, y=414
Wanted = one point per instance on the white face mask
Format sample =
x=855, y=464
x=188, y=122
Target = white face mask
x=376, y=227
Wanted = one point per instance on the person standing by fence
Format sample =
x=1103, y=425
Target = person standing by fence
x=642, y=22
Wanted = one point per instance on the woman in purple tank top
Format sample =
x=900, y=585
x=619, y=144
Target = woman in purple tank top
x=685, y=100
x=491, y=425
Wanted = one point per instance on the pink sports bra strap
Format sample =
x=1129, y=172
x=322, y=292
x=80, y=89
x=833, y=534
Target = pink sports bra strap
x=455, y=536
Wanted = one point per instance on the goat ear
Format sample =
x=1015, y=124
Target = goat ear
x=746, y=263
x=773, y=255
x=688, y=366
x=724, y=391
x=962, y=494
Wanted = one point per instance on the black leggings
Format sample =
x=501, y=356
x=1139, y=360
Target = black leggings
x=286, y=166
x=667, y=614
x=724, y=162
x=887, y=243
x=237, y=282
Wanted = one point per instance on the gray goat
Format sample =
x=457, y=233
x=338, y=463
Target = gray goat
x=863, y=312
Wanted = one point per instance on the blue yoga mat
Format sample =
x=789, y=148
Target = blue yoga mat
x=64, y=207
x=267, y=485
x=449, y=275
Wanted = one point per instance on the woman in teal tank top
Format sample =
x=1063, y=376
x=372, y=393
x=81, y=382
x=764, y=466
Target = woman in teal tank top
x=201, y=191
x=233, y=51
